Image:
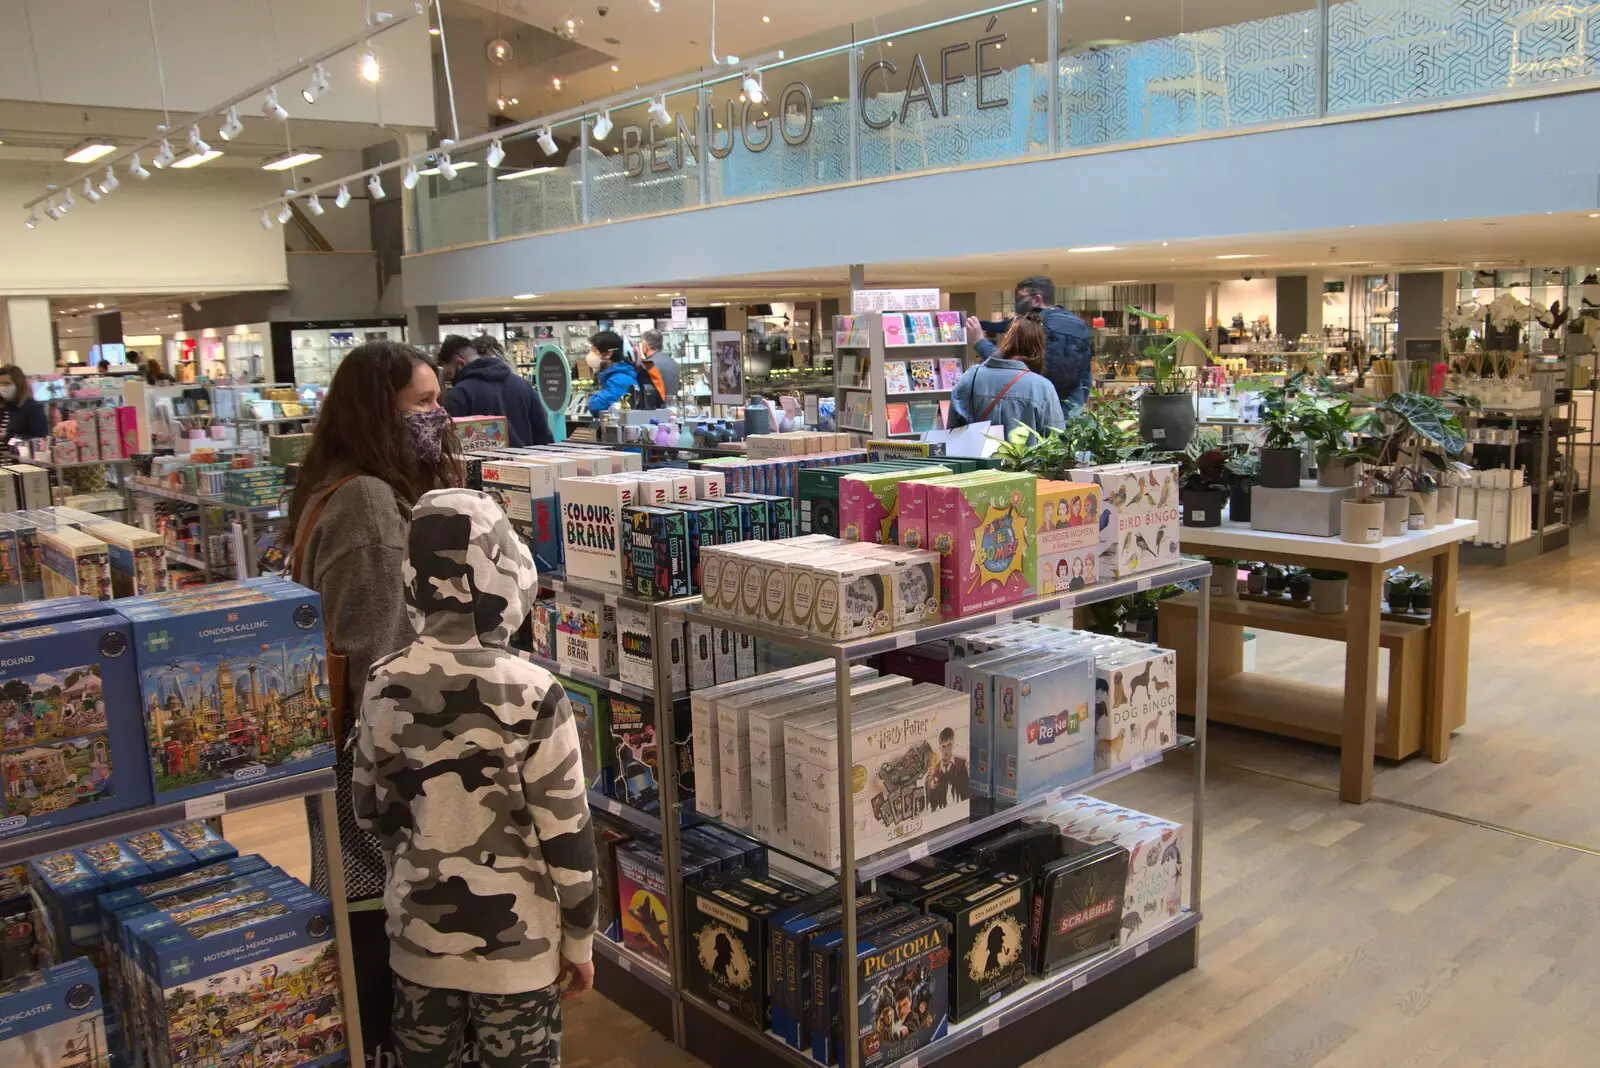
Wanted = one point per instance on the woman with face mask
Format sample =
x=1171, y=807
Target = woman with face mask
x=21, y=417
x=614, y=372
x=381, y=442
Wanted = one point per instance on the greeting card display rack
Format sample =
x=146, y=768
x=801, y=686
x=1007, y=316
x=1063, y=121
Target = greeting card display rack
x=1038, y=1016
x=881, y=388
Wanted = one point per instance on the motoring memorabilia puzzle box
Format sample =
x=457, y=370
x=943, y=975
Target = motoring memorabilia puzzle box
x=53, y=1019
x=74, y=562
x=989, y=924
x=1077, y=908
x=1043, y=725
x=209, y=982
x=232, y=694
x=656, y=566
x=1068, y=535
x=902, y=984
x=202, y=842
x=1136, y=703
x=161, y=854
x=72, y=746
x=728, y=924
x=1156, y=849
x=591, y=526
x=66, y=887
x=1138, y=516
x=983, y=531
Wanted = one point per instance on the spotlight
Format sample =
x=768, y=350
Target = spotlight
x=375, y=187
x=655, y=5
x=51, y=209
x=342, y=198
x=137, y=169
x=447, y=170
x=370, y=71
x=284, y=214
x=658, y=110
x=165, y=156
x=496, y=154
x=602, y=125
x=567, y=29
x=33, y=219
x=266, y=220
x=318, y=85
x=67, y=201
x=111, y=183
x=547, y=141
x=752, y=86
x=90, y=193
x=408, y=176
x=314, y=206
x=500, y=51
x=195, y=143
x=271, y=108
x=231, y=126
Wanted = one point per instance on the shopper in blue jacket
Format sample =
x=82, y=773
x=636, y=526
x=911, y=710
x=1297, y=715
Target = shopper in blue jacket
x=1069, y=346
x=1007, y=389
x=488, y=386
x=614, y=372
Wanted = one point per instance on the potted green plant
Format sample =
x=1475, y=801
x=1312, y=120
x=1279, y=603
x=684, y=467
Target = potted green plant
x=1277, y=579
x=1330, y=428
x=1243, y=470
x=1398, y=591
x=1299, y=584
x=1256, y=580
x=1166, y=408
x=1203, y=493
x=1422, y=595
x=1224, y=577
x=1361, y=518
x=1281, y=455
x=1415, y=435
x=1330, y=590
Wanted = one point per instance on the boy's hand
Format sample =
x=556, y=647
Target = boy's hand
x=576, y=978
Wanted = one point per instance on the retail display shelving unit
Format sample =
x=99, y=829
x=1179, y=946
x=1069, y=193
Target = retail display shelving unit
x=1554, y=491
x=318, y=784
x=1041, y=1014
x=850, y=382
x=244, y=522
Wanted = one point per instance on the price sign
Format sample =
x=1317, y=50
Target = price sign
x=888, y=300
x=680, y=312
x=203, y=808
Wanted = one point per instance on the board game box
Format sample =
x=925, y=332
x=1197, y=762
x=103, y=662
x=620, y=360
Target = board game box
x=1042, y=733
x=656, y=566
x=1156, y=849
x=636, y=652
x=1139, y=516
x=642, y=901
x=1077, y=908
x=983, y=530
x=1136, y=703
x=607, y=837
x=72, y=747
x=729, y=919
x=868, y=504
x=989, y=925
x=53, y=1019
x=589, y=711
x=235, y=693
x=902, y=991
x=591, y=526
x=1068, y=535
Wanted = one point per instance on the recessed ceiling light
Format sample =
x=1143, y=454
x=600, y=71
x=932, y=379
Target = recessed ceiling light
x=1127, y=18
x=289, y=159
x=194, y=159
x=525, y=296
x=529, y=173
x=1238, y=256
x=766, y=18
x=90, y=150
x=433, y=31
x=1594, y=215
x=1094, y=248
x=615, y=68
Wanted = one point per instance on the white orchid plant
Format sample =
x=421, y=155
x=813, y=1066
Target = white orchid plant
x=1507, y=311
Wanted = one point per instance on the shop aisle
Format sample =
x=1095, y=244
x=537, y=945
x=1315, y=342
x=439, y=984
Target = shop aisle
x=1404, y=932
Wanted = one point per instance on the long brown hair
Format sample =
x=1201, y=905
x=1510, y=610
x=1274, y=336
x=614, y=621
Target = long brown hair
x=1025, y=341
x=20, y=380
x=361, y=432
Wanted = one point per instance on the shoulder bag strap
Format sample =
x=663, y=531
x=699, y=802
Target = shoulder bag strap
x=313, y=517
x=1020, y=375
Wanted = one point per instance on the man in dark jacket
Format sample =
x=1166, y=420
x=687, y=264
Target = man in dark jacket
x=1069, y=350
x=488, y=386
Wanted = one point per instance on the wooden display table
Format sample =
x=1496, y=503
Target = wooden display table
x=1434, y=673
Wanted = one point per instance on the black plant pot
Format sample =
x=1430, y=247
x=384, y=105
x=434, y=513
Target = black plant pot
x=1422, y=603
x=1276, y=583
x=1239, y=503
x=1280, y=468
x=1167, y=419
x=1299, y=588
x=1202, y=508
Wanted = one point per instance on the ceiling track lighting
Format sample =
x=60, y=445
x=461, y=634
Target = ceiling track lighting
x=67, y=201
x=375, y=187
x=447, y=170
x=342, y=198
x=317, y=86
x=314, y=205
x=408, y=176
x=32, y=220
x=136, y=168
x=110, y=184
x=90, y=193
x=165, y=156
x=602, y=125
x=496, y=154
x=271, y=108
x=659, y=112
x=231, y=126
x=196, y=143
x=51, y=210
x=752, y=86
x=547, y=141
x=368, y=65
x=284, y=214
x=266, y=220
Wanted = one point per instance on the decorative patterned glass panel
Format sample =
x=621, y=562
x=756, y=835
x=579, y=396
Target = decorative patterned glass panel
x=449, y=211
x=796, y=138
x=645, y=166
x=1389, y=51
x=535, y=192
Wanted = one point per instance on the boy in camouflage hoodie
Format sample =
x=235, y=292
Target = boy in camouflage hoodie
x=467, y=769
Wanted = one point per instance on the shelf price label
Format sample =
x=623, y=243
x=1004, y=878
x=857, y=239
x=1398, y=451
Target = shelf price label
x=1080, y=981
x=204, y=808
x=624, y=963
x=919, y=851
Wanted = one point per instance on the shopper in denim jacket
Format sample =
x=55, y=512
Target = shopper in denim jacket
x=1007, y=389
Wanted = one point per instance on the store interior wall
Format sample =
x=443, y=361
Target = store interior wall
x=94, y=53
x=1419, y=306
x=1252, y=299
x=27, y=335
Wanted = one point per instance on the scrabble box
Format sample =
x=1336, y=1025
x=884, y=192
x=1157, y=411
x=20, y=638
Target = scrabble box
x=983, y=530
x=1156, y=876
x=234, y=685
x=989, y=921
x=592, y=537
x=1077, y=906
x=72, y=746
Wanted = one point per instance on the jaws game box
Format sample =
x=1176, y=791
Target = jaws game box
x=71, y=744
x=233, y=685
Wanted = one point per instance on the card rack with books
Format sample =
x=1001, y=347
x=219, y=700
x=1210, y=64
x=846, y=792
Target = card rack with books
x=896, y=370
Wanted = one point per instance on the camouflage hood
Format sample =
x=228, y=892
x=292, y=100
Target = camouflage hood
x=469, y=579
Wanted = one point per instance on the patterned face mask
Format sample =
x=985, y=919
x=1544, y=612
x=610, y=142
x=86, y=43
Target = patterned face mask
x=427, y=430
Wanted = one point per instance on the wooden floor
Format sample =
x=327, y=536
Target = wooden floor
x=1453, y=922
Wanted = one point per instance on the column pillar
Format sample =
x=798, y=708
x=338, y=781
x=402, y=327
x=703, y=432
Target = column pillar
x=29, y=338
x=1292, y=297
x=1419, y=308
x=422, y=324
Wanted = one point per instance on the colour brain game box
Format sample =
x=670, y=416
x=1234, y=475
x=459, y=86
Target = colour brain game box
x=233, y=694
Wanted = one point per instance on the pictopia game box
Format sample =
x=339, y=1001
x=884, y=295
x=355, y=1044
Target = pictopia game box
x=728, y=923
x=53, y=1019
x=72, y=747
x=983, y=530
x=260, y=982
x=902, y=990
x=1077, y=907
x=827, y=1021
x=232, y=694
x=656, y=566
x=989, y=921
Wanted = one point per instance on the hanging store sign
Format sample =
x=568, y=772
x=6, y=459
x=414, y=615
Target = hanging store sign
x=889, y=300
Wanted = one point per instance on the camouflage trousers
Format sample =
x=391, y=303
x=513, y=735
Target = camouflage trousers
x=511, y=1030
